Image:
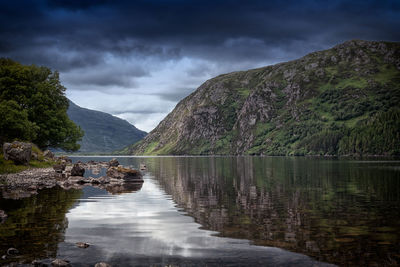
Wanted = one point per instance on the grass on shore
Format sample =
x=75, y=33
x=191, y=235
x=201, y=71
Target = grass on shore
x=8, y=166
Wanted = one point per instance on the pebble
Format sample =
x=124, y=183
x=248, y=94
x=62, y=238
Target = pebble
x=82, y=245
x=12, y=251
x=60, y=263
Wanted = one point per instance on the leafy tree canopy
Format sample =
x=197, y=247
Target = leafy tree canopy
x=33, y=107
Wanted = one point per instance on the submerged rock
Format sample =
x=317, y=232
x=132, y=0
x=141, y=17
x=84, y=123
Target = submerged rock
x=19, y=152
x=77, y=170
x=102, y=264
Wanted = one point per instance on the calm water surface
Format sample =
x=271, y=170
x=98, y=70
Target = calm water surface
x=236, y=211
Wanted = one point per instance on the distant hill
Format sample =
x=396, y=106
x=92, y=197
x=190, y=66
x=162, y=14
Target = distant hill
x=103, y=132
x=341, y=101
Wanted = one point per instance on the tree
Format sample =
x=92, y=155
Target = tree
x=34, y=106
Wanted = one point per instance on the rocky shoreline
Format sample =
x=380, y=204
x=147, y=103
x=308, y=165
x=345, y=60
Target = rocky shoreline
x=118, y=179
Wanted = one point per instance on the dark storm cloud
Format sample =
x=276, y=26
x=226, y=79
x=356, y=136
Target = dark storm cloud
x=166, y=48
x=164, y=28
x=107, y=77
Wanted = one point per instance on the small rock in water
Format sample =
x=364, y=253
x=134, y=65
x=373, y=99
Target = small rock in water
x=113, y=163
x=12, y=251
x=77, y=170
x=4, y=257
x=60, y=263
x=82, y=245
x=102, y=264
x=124, y=174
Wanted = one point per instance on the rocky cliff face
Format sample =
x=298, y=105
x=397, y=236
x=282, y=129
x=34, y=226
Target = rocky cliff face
x=323, y=103
x=103, y=132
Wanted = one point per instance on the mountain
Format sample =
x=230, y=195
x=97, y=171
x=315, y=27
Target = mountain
x=344, y=101
x=103, y=132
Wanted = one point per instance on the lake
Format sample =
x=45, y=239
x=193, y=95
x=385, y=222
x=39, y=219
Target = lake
x=213, y=211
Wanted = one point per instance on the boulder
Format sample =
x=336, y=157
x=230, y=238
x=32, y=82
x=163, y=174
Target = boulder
x=124, y=174
x=60, y=167
x=102, y=264
x=113, y=163
x=19, y=152
x=77, y=170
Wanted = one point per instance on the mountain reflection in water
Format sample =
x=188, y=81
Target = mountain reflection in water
x=298, y=210
x=342, y=212
x=36, y=224
x=146, y=228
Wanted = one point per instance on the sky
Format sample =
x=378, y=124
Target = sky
x=138, y=59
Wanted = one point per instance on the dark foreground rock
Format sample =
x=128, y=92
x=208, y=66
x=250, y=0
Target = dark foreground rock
x=77, y=170
x=124, y=174
x=19, y=152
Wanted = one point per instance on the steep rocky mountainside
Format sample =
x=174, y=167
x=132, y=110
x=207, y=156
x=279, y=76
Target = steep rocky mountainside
x=344, y=100
x=103, y=132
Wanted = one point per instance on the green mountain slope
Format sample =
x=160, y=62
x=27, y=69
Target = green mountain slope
x=103, y=132
x=344, y=100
